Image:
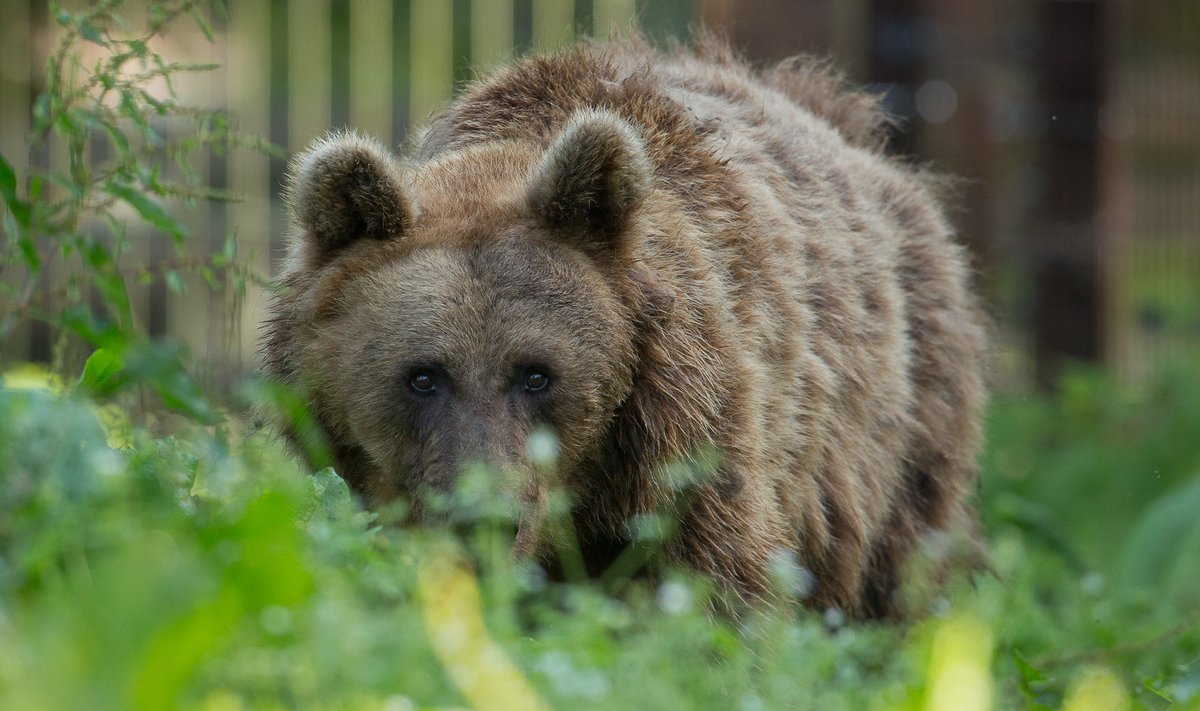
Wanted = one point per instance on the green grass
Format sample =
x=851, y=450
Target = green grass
x=205, y=570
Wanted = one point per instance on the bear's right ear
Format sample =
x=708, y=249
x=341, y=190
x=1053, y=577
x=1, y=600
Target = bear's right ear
x=593, y=176
x=344, y=188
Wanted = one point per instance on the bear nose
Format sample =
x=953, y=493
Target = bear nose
x=489, y=474
x=487, y=439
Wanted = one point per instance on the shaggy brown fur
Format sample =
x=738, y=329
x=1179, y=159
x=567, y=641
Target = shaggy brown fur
x=698, y=257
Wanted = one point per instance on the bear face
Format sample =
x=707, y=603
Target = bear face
x=446, y=330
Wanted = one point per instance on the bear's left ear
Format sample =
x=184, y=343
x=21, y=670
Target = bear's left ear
x=345, y=188
x=592, y=177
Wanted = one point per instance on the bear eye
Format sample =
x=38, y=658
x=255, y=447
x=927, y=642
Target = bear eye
x=422, y=382
x=536, y=380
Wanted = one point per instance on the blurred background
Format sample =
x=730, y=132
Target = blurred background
x=1075, y=125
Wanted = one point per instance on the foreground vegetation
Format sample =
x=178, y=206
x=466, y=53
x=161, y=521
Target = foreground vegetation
x=204, y=570
x=152, y=561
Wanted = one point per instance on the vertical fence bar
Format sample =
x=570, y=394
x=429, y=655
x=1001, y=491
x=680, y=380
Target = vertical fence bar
x=522, y=26
x=401, y=59
x=491, y=32
x=849, y=35
x=553, y=23
x=1065, y=249
x=895, y=66
x=223, y=346
x=663, y=19
x=371, y=69
x=15, y=67
x=1121, y=196
x=249, y=173
x=460, y=40
x=231, y=362
x=765, y=31
x=583, y=18
x=609, y=16
x=339, y=62
x=309, y=71
x=42, y=345
x=200, y=317
x=431, y=33
x=148, y=246
x=1152, y=263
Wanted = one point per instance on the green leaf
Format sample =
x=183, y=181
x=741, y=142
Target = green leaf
x=210, y=278
x=65, y=125
x=82, y=322
x=102, y=373
x=292, y=411
x=8, y=190
x=159, y=365
x=158, y=16
x=331, y=497
x=118, y=139
x=175, y=282
x=69, y=186
x=120, y=236
x=95, y=254
x=91, y=33
x=1162, y=551
x=162, y=108
x=30, y=254
x=150, y=211
x=41, y=110
x=21, y=214
x=184, y=396
x=130, y=109
x=116, y=296
x=1031, y=680
x=179, y=648
x=202, y=23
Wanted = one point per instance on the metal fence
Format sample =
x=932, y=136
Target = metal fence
x=289, y=71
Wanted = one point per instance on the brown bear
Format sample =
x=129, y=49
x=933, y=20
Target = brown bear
x=652, y=254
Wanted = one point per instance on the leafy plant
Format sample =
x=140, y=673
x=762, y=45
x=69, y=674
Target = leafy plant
x=110, y=107
x=205, y=570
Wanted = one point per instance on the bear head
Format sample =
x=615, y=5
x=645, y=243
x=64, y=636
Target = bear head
x=436, y=315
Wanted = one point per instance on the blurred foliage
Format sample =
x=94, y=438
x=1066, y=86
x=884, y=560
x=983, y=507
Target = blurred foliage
x=204, y=570
x=1164, y=26
x=1157, y=296
x=111, y=145
x=1092, y=498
